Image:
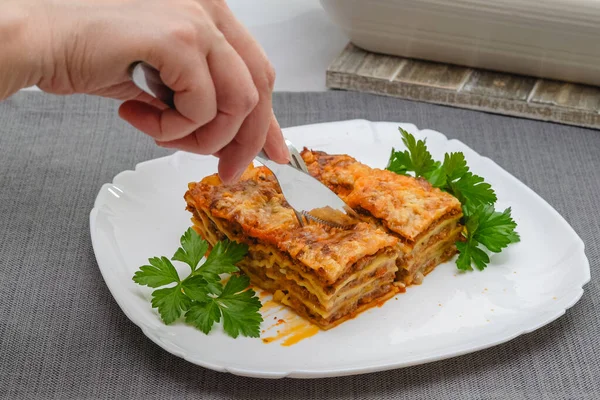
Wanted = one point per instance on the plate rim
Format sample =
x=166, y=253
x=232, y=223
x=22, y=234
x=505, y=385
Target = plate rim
x=575, y=293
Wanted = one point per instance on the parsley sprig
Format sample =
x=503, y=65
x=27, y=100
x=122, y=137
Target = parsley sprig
x=484, y=226
x=201, y=297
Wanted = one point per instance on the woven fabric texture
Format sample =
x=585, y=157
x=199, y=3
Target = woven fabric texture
x=63, y=336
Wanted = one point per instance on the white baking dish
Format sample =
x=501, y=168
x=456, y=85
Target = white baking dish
x=557, y=39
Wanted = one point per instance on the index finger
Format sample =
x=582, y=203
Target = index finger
x=257, y=129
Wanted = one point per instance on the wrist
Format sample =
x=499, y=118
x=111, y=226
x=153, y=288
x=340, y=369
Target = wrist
x=21, y=55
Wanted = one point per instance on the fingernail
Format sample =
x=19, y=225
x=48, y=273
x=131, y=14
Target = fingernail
x=285, y=152
x=238, y=175
x=234, y=178
x=162, y=144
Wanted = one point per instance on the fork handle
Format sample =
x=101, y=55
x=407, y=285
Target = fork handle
x=296, y=159
x=148, y=79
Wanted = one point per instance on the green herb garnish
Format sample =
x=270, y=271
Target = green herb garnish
x=484, y=226
x=201, y=297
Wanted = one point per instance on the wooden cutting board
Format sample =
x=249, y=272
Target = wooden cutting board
x=501, y=93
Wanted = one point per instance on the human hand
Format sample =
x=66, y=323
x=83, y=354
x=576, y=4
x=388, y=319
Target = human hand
x=221, y=77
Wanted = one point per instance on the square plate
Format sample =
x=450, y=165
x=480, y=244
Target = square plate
x=531, y=283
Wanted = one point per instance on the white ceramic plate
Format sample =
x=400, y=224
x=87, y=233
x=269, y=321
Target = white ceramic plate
x=142, y=214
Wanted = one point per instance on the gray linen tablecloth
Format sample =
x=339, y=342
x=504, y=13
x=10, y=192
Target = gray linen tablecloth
x=63, y=336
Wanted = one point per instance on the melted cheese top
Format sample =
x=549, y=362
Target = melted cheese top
x=256, y=204
x=406, y=205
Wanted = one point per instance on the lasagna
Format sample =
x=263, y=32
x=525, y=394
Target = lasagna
x=325, y=274
x=424, y=219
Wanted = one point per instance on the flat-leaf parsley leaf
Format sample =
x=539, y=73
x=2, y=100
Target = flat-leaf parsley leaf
x=192, y=249
x=236, y=304
x=416, y=159
x=222, y=260
x=159, y=273
x=171, y=302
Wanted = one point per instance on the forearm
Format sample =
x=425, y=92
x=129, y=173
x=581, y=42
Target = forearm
x=21, y=58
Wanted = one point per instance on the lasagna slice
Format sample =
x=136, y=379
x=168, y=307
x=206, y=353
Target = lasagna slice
x=423, y=218
x=325, y=274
